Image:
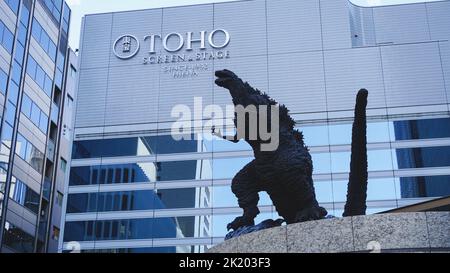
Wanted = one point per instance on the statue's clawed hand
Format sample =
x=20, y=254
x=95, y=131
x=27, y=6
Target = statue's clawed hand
x=239, y=222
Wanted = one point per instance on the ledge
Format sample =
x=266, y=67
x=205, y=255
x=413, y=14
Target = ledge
x=399, y=232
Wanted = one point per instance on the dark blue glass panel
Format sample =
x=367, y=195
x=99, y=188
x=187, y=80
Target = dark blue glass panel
x=423, y=157
x=109, y=148
x=429, y=186
x=113, y=201
x=422, y=129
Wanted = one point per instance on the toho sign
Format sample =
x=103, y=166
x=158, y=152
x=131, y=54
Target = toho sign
x=128, y=46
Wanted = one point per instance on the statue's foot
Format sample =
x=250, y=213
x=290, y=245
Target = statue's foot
x=240, y=222
x=311, y=214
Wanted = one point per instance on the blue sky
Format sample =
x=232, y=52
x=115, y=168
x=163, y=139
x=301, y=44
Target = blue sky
x=82, y=7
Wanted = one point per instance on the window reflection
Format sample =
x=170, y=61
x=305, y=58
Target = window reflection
x=422, y=157
x=228, y=168
x=135, y=229
x=321, y=163
x=223, y=197
x=421, y=129
x=315, y=135
x=220, y=222
x=324, y=191
x=378, y=160
x=428, y=186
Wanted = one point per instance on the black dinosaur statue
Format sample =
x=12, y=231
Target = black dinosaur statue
x=286, y=173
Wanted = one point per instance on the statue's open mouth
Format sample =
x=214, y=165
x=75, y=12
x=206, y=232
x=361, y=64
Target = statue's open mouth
x=224, y=77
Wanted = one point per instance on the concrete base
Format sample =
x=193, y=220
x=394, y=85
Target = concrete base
x=401, y=232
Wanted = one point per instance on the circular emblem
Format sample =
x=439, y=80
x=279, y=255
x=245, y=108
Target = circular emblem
x=126, y=47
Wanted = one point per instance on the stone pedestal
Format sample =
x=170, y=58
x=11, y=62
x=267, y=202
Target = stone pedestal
x=401, y=232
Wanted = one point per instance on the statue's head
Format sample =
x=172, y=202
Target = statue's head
x=227, y=79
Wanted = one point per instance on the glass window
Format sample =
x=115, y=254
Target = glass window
x=421, y=129
x=8, y=40
x=422, y=157
x=7, y=133
x=22, y=34
x=20, y=52
x=36, y=30
x=228, y=168
x=378, y=160
x=18, y=239
x=58, y=78
x=35, y=114
x=13, y=5
x=26, y=106
x=16, y=72
x=37, y=159
x=24, y=15
x=324, y=191
x=419, y=187
x=48, y=85
x=52, y=50
x=40, y=77
x=3, y=81
x=24, y=196
x=21, y=146
x=10, y=113
x=143, y=173
x=340, y=134
x=44, y=41
x=315, y=135
x=32, y=66
x=43, y=123
x=13, y=93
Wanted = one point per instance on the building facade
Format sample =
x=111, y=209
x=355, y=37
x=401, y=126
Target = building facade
x=135, y=188
x=35, y=134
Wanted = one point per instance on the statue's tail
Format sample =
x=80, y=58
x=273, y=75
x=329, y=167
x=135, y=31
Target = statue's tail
x=357, y=186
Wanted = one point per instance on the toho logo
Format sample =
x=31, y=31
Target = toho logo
x=127, y=46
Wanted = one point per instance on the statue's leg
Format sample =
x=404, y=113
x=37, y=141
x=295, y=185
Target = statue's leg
x=306, y=208
x=245, y=187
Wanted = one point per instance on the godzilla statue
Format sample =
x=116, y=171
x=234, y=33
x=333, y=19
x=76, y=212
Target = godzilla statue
x=286, y=173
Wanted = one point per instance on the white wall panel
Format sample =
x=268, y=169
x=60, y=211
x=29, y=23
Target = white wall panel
x=297, y=80
x=245, y=20
x=401, y=24
x=293, y=26
x=96, y=47
x=335, y=17
x=349, y=70
x=413, y=75
x=91, y=101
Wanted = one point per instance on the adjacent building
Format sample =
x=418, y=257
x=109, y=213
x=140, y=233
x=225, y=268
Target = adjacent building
x=37, y=88
x=134, y=188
